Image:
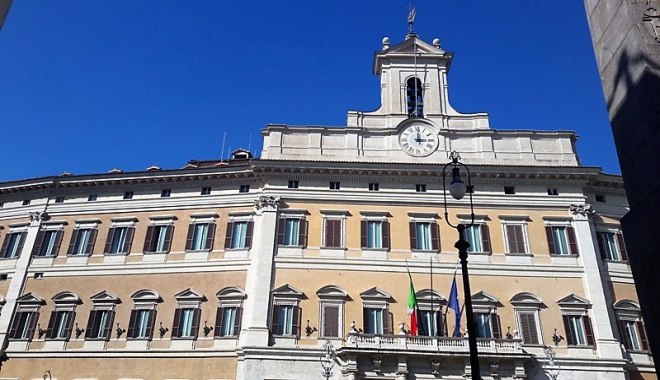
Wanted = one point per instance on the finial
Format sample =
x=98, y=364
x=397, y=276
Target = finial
x=386, y=43
x=436, y=43
x=411, y=19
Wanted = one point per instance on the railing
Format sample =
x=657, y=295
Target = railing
x=431, y=343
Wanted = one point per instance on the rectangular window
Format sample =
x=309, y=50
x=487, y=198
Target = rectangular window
x=333, y=233
x=578, y=330
x=291, y=232
x=334, y=185
x=373, y=234
x=165, y=193
x=431, y=322
x=473, y=234
x=630, y=331
x=634, y=335
x=373, y=322
x=483, y=325
x=600, y=198
x=612, y=246
x=205, y=191
x=424, y=236
x=119, y=240
x=561, y=240
x=159, y=238
x=128, y=195
x=244, y=189
x=285, y=320
x=330, y=321
x=48, y=243
x=293, y=185
x=82, y=241
x=239, y=234
x=141, y=323
x=552, y=191
x=228, y=321
x=59, y=200
x=13, y=245
x=26, y=202
x=528, y=328
x=420, y=188
x=59, y=326
x=373, y=187
x=186, y=323
x=92, y=198
x=99, y=324
x=509, y=190
x=515, y=238
x=22, y=327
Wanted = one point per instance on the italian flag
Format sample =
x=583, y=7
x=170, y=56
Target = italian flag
x=413, y=309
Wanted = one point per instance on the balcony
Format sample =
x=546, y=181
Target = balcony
x=431, y=343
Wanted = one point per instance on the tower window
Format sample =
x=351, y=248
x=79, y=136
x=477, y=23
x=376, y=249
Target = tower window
x=414, y=98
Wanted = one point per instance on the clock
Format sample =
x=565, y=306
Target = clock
x=418, y=140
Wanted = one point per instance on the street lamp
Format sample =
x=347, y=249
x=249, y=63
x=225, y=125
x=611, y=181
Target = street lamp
x=457, y=190
x=327, y=358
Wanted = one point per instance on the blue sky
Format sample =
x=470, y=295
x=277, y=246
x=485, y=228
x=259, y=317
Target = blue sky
x=87, y=86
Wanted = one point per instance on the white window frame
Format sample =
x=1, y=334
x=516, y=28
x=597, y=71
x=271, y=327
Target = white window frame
x=145, y=299
x=188, y=299
x=18, y=228
x=377, y=299
x=560, y=222
x=56, y=226
x=332, y=296
x=629, y=311
x=515, y=220
x=103, y=301
x=65, y=302
x=287, y=295
x=162, y=221
x=432, y=301
x=340, y=215
x=230, y=297
x=240, y=217
x=28, y=303
x=425, y=217
x=576, y=306
x=126, y=222
x=485, y=303
x=529, y=304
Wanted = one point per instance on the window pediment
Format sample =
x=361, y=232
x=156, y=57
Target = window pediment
x=375, y=293
x=573, y=300
x=526, y=299
x=484, y=298
x=287, y=290
x=66, y=297
x=230, y=292
x=30, y=299
x=146, y=295
x=626, y=305
x=429, y=295
x=189, y=295
x=104, y=297
x=332, y=291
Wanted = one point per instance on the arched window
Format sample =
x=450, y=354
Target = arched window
x=414, y=98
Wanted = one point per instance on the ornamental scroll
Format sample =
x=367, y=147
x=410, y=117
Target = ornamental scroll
x=267, y=203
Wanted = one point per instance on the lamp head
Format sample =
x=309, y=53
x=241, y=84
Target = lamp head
x=457, y=188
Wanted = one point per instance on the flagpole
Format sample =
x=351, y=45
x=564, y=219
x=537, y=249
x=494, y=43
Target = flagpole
x=435, y=320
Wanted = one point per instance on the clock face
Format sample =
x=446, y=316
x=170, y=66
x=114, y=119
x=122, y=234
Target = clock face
x=418, y=140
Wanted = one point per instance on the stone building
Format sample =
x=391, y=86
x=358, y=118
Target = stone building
x=244, y=268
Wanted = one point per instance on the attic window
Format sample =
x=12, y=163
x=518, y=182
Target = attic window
x=414, y=98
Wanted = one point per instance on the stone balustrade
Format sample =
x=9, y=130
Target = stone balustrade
x=432, y=343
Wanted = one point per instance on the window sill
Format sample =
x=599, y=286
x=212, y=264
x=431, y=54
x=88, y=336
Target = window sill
x=291, y=246
x=80, y=255
x=375, y=249
x=97, y=339
x=116, y=254
x=183, y=338
x=226, y=337
x=559, y=255
x=517, y=254
x=155, y=253
x=332, y=252
x=204, y=250
x=480, y=253
x=9, y=258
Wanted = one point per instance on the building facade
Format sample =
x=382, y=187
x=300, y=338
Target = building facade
x=245, y=268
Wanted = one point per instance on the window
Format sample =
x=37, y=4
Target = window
x=526, y=307
x=430, y=304
x=578, y=330
x=373, y=187
x=612, y=246
x=47, y=243
x=186, y=323
x=13, y=244
x=82, y=241
x=286, y=316
x=478, y=236
x=99, y=324
x=22, y=327
x=375, y=234
x=431, y=322
x=119, y=240
x=424, y=236
x=59, y=200
x=200, y=237
x=414, y=97
x=60, y=324
x=165, y=193
x=26, y=202
x=420, y=188
x=483, y=325
x=239, y=234
x=291, y=232
x=485, y=315
x=330, y=326
x=205, y=191
x=600, y=198
x=92, y=198
x=293, y=185
x=332, y=299
x=334, y=186
x=561, y=240
x=143, y=315
x=373, y=321
x=515, y=237
x=128, y=195
x=553, y=191
x=376, y=317
x=159, y=238
x=244, y=189
x=333, y=233
x=509, y=190
x=230, y=311
x=631, y=328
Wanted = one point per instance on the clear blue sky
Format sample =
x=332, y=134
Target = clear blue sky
x=87, y=86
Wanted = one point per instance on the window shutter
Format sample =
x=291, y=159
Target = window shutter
x=485, y=238
x=238, y=320
x=642, y=335
x=21, y=242
x=567, y=329
x=210, y=236
x=330, y=321
x=69, y=324
x=281, y=223
x=189, y=236
x=528, y=327
x=5, y=243
x=228, y=236
x=248, y=234
x=365, y=321
x=551, y=242
x=520, y=239
x=217, y=329
x=107, y=329
x=622, y=247
x=386, y=234
x=571, y=241
x=435, y=238
x=131, y=324
x=624, y=335
x=58, y=242
x=295, y=325
x=108, y=240
x=90, y=324
x=274, y=322
x=150, y=323
x=601, y=245
x=51, y=325
x=413, y=235
x=92, y=240
x=195, y=323
x=363, y=234
x=495, y=324
x=386, y=320
x=302, y=233
x=128, y=243
x=33, y=324
x=512, y=238
x=175, y=323
x=147, y=239
x=588, y=331
x=72, y=243
x=37, y=243
x=167, y=244
x=13, y=331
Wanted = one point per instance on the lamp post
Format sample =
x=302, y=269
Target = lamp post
x=457, y=189
x=327, y=358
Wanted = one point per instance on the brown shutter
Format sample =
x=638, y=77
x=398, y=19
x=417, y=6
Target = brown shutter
x=624, y=336
x=439, y=329
x=175, y=323
x=551, y=242
x=495, y=324
x=529, y=330
x=435, y=238
x=237, y=320
x=92, y=240
x=13, y=330
x=329, y=233
x=567, y=329
x=248, y=234
x=58, y=242
x=5, y=243
x=622, y=247
x=601, y=245
x=194, y=331
x=295, y=325
x=108, y=326
x=642, y=335
x=128, y=243
x=108, y=240
x=588, y=331
x=69, y=324
x=217, y=329
x=147, y=239
x=21, y=242
x=51, y=325
x=331, y=321
x=274, y=322
x=386, y=234
x=228, y=235
x=413, y=235
x=38, y=242
x=281, y=226
x=189, y=237
x=485, y=238
x=131, y=324
x=90, y=323
x=365, y=320
x=512, y=238
x=72, y=243
x=386, y=320
x=302, y=233
x=520, y=239
x=169, y=232
x=210, y=236
x=363, y=233
x=571, y=241
x=33, y=324
x=150, y=323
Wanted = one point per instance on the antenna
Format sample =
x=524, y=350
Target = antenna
x=250, y=143
x=222, y=154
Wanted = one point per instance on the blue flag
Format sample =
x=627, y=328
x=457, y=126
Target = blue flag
x=453, y=304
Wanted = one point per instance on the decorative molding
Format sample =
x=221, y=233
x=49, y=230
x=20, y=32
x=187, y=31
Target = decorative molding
x=37, y=216
x=267, y=203
x=582, y=209
x=652, y=16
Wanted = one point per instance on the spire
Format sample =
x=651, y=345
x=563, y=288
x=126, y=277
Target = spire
x=411, y=20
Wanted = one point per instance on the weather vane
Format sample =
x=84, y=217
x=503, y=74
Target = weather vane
x=411, y=18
